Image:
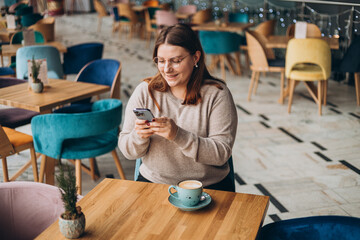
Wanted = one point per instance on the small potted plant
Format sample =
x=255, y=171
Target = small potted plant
x=36, y=85
x=72, y=221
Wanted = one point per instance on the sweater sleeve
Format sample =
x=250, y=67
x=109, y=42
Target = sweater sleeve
x=214, y=149
x=130, y=143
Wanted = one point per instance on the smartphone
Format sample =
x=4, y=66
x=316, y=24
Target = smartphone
x=144, y=114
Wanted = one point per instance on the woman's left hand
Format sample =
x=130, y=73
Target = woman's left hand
x=165, y=127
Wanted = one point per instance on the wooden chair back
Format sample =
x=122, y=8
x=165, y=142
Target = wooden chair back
x=201, y=17
x=256, y=52
x=125, y=10
x=6, y=147
x=263, y=40
x=266, y=28
x=47, y=27
x=100, y=8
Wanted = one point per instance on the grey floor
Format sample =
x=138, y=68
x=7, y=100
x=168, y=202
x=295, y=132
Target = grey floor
x=308, y=164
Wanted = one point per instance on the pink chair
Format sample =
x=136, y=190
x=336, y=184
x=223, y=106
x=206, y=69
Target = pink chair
x=27, y=209
x=187, y=9
x=165, y=18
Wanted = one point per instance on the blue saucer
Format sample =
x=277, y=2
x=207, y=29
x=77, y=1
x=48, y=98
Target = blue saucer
x=177, y=203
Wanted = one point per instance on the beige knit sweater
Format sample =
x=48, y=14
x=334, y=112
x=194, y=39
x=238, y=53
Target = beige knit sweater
x=202, y=144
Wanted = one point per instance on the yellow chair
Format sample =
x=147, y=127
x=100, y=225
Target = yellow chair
x=11, y=142
x=262, y=61
x=308, y=60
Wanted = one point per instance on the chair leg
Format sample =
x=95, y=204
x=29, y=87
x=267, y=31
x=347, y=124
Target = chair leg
x=5, y=170
x=282, y=81
x=118, y=164
x=94, y=169
x=251, y=85
x=78, y=175
x=319, y=102
x=34, y=164
x=42, y=168
x=292, y=86
x=222, y=66
x=238, y=64
x=256, y=82
x=325, y=86
x=357, y=88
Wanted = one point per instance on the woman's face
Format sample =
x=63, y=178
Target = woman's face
x=176, y=64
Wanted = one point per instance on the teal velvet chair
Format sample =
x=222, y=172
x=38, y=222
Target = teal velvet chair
x=220, y=45
x=80, y=135
x=30, y=19
x=231, y=173
x=52, y=55
x=239, y=17
x=312, y=228
x=102, y=71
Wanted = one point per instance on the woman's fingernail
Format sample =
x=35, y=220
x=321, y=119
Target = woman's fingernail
x=146, y=121
x=153, y=119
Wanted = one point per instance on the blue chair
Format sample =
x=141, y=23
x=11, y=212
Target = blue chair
x=220, y=45
x=80, y=135
x=239, y=17
x=313, y=228
x=351, y=63
x=6, y=71
x=14, y=117
x=102, y=71
x=231, y=173
x=79, y=55
x=52, y=55
x=30, y=19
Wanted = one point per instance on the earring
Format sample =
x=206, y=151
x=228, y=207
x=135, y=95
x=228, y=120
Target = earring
x=196, y=65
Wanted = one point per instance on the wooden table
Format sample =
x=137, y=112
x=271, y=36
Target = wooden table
x=58, y=92
x=122, y=209
x=10, y=50
x=230, y=27
x=282, y=41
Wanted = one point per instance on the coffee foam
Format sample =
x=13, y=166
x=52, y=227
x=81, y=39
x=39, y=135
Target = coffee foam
x=190, y=184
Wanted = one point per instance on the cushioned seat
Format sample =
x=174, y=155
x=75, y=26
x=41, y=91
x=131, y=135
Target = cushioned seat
x=313, y=228
x=14, y=117
x=276, y=62
x=307, y=72
x=17, y=138
x=5, y=71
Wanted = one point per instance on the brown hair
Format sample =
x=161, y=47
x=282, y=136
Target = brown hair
x=182, y=35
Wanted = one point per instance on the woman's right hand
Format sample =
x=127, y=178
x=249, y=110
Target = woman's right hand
x=142, y=128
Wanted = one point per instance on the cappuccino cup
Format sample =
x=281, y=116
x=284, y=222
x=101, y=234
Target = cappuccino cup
x=188, y=192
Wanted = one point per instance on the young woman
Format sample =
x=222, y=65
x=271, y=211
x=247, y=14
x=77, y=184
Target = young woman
x=195, y=122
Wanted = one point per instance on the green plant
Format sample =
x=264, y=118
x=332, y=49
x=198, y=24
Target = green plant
x=68, y=190
x=35, y=70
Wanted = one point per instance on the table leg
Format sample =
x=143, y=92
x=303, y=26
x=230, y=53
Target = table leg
x=50, y=171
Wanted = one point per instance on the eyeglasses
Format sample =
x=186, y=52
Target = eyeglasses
x=174, y=62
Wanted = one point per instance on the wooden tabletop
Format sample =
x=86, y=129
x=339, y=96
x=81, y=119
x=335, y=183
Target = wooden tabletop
x=10, y=50
x=282, y=41
x=230, y=27
x=122, y=209
x=58, y=92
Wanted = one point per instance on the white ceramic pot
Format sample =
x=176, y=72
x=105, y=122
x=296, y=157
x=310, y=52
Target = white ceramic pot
x=72, y=228
x=37, y=87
